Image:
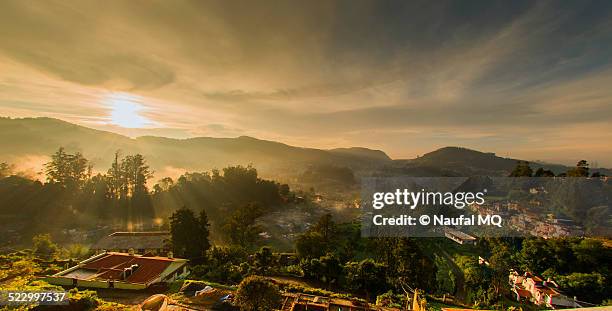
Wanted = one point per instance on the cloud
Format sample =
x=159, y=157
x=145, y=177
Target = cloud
x=486, y=74
x=77, y=44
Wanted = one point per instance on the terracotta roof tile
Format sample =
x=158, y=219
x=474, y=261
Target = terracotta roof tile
x=524, y=293
x=111, y=265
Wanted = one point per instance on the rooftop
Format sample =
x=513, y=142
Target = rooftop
x=135, y=240
x=459, y=234
x=523, y=293
x=110, y=266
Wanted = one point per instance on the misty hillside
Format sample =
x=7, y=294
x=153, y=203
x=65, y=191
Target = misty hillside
x=37, y=137
x=33, y=139
x=458, y=161
x=462, y=158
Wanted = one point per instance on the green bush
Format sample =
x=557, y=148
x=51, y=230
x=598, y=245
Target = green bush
x=257, y=293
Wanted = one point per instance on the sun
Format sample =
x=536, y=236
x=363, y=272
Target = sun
x=126, y=110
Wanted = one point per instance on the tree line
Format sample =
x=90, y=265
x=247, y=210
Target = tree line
x=523, y=169
x=75, y=196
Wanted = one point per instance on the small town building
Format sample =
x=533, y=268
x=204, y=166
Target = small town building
x=459, y=237
x=121, y=271
x=532, y=288
x=148, y=242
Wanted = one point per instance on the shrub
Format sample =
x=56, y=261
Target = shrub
x=257, y=293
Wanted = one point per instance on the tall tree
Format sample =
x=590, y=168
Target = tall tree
x=115, y=179
x=67, y=170
x=136, y=172
x=500, y=260
x=407, y=265
x=57, y=168
x=264, y=260
x=163, y=184
x=44, y=246
x=522, y=169
x=310, y=245
x=325, y=227
x=241, y=227
x=536, y=255
x=189, y=234
x=127, y=183
x=331, y=269
x=581, y=169
x=204, y=232
x=366, y=276
x=540, y=172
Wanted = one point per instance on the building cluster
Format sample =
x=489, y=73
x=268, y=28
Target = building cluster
x=494, y=208
x=532, y=288
x=556, y=228
x=523, y=219
x=545, y=227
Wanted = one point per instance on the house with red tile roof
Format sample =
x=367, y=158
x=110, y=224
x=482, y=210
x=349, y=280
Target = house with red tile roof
x=122, y=271
x=529, y=287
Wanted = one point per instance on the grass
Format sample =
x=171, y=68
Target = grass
x=23, y=271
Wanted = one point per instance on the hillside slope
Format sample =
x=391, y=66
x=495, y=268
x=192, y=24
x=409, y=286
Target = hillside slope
x=22, y=140
x=458, y=161
x=37, y=137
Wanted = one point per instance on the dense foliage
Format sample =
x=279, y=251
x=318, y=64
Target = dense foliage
x=257, y=293
x=189, y=233
x=331, y=255
x=75, y=197
x=580, y=266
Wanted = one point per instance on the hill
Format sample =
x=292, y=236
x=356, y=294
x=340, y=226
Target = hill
x=376, y=155
x=29, y=138
x=458, y=161
x=33, y=139
x=465, y=161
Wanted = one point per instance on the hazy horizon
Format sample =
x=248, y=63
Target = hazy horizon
x=39, y=159
x=527, y=80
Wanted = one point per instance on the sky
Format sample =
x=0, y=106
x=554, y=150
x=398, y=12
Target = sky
x=526, y=79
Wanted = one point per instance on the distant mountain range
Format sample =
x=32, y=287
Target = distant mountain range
x=457, y=161
x=33, y=138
